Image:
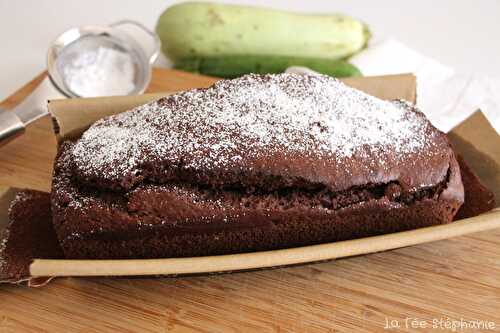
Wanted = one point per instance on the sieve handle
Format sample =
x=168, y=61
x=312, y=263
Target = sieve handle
x=10, y=126
x=154, y=37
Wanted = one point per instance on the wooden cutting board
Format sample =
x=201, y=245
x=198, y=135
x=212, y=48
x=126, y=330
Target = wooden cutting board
x=452, y=279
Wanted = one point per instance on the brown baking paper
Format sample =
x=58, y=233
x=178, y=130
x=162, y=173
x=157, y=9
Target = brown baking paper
x=474, y=139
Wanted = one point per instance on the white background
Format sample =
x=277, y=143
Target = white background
x=462, y=34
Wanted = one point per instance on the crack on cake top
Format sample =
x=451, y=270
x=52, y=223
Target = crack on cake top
x=236, y=121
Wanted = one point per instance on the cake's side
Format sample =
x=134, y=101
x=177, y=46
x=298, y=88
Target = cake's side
x=257, y=163
x=300, y=229
x=170, y=220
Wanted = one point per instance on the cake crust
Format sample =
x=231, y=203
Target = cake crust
x=269, y=131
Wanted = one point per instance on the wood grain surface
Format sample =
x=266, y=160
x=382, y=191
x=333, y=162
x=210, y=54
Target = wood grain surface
x=446, y=280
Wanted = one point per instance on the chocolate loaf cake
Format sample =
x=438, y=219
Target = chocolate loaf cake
x=255, y=163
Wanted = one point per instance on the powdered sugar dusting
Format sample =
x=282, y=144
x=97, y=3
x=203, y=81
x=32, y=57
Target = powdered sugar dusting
x=4, y=237
x=235, y=120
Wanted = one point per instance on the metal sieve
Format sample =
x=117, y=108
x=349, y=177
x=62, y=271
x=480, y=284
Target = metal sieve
x=63, y=51
x=88, y=39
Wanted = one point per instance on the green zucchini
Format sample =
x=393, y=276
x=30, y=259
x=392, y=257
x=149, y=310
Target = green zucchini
x=238, y=65
x=193, y=29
